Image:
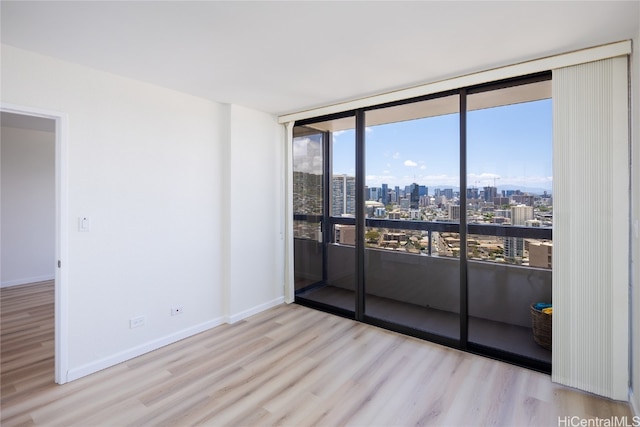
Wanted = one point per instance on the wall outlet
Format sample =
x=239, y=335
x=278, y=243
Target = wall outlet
x=176, y=310
x=136, y=322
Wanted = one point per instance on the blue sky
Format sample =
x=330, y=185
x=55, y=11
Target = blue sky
x=512, y=144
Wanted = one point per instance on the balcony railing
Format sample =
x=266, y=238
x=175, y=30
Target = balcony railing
x=498, y=294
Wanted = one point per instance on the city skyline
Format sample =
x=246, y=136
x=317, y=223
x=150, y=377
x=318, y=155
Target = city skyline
x=509, y=147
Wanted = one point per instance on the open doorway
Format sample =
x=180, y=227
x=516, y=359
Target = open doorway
x=27, y=153
x=34, y=242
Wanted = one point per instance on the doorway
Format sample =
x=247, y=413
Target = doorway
x=39, y=122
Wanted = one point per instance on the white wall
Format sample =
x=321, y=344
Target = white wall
x=147, y=165
x=255, y=197
x=28, y=205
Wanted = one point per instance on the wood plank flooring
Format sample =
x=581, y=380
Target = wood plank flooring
x=289, y=366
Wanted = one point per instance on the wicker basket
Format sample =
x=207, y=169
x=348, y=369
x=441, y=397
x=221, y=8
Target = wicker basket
x=541, y=324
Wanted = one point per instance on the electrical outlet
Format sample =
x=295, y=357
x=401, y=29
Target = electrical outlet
x=136, y=322
x=176, y=310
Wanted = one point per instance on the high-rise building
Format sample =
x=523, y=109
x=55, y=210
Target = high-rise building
x=375, y=194
x=385, y=194
x=525, y=199
x=490, y=193
x=398, y=195
x=454, y=213
x=392, y=198
x=343, y=195
x=514, y=246
x=520, y=214
x=424, y=190
x=499, y=201
x=448, y=193
x=414, y=196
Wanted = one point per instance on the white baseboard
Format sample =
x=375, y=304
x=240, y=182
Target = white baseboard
x=634, y=404
x=26, y=280
x=98, y=365
x=233, y=318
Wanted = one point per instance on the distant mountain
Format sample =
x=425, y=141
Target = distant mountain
x=531, y=190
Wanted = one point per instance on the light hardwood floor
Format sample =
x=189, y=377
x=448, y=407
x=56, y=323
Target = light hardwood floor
x=289, y=366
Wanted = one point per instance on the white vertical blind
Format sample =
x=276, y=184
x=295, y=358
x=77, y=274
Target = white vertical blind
x=289, y=290
x=591, y=227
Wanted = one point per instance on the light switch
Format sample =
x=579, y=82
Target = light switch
x=84, y=223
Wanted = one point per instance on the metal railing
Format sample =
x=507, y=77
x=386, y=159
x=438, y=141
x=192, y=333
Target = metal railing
x=541, y=233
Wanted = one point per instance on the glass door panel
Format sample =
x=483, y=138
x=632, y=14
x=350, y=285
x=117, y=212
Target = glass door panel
x=335, y=246
x=509, y=215
x=308, y=205
x=412, y=270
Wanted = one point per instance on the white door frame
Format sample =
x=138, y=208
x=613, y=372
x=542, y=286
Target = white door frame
x=62, y=231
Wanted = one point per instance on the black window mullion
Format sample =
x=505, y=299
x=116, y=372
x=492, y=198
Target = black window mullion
x=464, y=303
x=360, y=213
x=326, y=227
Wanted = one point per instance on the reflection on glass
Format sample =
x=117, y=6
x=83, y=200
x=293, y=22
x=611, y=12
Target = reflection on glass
x=330, y=259
x=307, y=171
x=307, y=206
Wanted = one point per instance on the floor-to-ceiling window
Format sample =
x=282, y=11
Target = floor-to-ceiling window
x=412, y=165
x=436, y=216
x=509, y=213
x=324, y=177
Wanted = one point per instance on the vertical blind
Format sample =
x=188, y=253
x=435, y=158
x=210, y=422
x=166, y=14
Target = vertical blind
x=591, y=227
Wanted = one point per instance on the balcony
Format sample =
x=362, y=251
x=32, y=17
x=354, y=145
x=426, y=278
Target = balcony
x=421, y=292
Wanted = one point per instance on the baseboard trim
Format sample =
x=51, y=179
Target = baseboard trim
x=633, y=403
x=98, y=365
x=254, y=310
x=26, y=280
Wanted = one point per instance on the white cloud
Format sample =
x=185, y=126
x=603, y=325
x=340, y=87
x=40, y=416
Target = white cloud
x=396, y=155
x=423, y=167
x=307, y=155
x=410, y=163
x=485, y=176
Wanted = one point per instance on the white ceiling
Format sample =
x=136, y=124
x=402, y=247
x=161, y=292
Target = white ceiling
x=283, y=57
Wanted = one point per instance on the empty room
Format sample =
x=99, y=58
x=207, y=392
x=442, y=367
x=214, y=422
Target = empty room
x=320, y=213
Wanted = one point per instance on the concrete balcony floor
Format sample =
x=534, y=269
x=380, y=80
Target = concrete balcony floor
x=499, y=335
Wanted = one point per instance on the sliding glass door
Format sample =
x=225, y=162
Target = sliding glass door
x=325, y=204
x=509, y=211
x=432, y=216
x=411, y=263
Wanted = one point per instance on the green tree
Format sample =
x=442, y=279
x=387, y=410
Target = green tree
x=372, y=236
